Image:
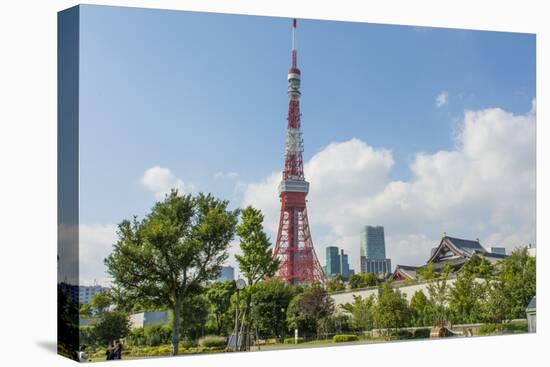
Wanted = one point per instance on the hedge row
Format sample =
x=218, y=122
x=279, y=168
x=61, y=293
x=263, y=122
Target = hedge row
x=342, y=338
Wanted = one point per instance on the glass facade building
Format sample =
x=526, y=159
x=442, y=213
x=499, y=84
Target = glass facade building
x=337, y=262
x=373, y=251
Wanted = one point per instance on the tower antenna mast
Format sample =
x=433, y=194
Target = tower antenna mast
x=298, y=262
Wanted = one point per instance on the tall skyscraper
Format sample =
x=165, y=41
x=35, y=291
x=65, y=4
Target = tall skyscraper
x=337, y=263
x=373, y=251
x=333, y=261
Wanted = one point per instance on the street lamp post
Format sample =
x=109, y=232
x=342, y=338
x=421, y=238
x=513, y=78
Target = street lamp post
x=240, y=284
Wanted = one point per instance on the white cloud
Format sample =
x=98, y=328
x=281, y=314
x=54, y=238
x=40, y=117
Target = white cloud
x=96, y=242
x=484, y=188
x=161, y=180
x=227, y=175
x=441, y=99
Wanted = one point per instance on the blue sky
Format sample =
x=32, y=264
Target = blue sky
x=200, y=93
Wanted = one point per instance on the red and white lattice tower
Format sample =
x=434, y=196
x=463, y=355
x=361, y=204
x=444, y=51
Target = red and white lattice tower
x=294, y=247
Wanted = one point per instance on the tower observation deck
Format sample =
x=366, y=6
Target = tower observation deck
x=294, y=246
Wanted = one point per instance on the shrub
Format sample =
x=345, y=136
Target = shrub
x=156, y=335
x=342, y=338
x=292, y=341
x=212, y=341
x=487, y=329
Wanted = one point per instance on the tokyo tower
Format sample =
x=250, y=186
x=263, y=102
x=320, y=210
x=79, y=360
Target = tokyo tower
x=294, y=247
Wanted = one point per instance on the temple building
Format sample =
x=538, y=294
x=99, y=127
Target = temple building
x=452, y=251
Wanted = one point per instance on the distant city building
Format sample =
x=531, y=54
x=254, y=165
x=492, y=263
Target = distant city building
x=531, y=250
x=228, y=273
x=337, y=262
x=531, y=313
x=498, y=250
x=86, y=292
x=144, y=319
x=373, y=251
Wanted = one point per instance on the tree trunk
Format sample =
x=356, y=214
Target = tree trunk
x=176, y=326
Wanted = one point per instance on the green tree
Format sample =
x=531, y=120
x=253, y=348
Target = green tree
x=168, y=256
x=362, y=280
x=307, y=310
x=257, y=261
x=194, y=315
x=468, y=292
x=112, y=326
x=422, y=310
x=100, y=302
x=85, y=311
x=270, y=300
x=438, y=290
x=513, y=287
x=362, y=312
x=219, y=295
x=392, y=310
x=336, y=283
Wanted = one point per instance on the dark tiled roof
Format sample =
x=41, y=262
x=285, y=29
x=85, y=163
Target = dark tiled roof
x=466, y=245
x=408, y=267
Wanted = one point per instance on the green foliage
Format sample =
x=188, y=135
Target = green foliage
x=270, y=300
x=292, y=340
x=256, y=261
x=156, y=335
x=513, y=287
x=391, y=311
x=342, y=338
x=112, y=326
x=194, y=315
x=336, y=283
x=422, y=310
x=335, y=323
x=438, y=290
x=166, y=258
x=467, y=295
x=218, y=295
x=362, y=311
x=67, y=325
x=85, y=311
x=363, y=280
x=100, y=302
x=307, y=309
x=212, y=341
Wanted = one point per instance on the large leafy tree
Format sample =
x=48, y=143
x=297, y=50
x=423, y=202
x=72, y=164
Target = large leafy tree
x=219, y=295
x=513, y=287
x=438, y=290
x=169, y=255
x=257, y=261
x=112, y=326
x=469, y=292
x=270, y=300
x=392, y=310
x=362, y=280
x=422, y=310
x=307, y=310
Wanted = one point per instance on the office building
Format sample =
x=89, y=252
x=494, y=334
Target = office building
x=373, y=251
x=337, y=262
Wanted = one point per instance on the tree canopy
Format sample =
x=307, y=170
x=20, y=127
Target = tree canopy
x=169, y=255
